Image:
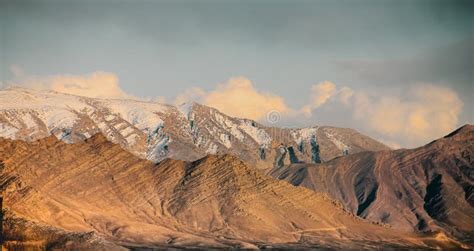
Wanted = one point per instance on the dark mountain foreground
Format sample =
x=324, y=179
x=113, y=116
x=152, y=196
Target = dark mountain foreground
x=428, y=189
x=95, y=195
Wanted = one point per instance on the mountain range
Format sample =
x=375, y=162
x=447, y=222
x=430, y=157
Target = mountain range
x=156, y=131
x=102, y=174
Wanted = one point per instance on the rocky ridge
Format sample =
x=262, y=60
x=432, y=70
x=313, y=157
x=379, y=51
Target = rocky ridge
x=156, y=131
x=426, y=189
x=217, y=201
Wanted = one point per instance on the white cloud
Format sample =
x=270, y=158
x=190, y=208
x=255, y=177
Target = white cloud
x=324, y=92
x=424, y=113
x=320, y=94
x=97, y=85
x=190, y=95
x=238, y=97
x=345, y=95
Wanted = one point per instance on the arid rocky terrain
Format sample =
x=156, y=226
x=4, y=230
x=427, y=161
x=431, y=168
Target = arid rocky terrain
x=95, y=195
x=426, y=189
x=110, y=174
x=145, y=125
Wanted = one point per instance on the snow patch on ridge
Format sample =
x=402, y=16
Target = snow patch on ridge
x=225, y=140
x=259, y=135
x=339, y=144
x=186, y=109
x=157, y=143
x=304, y=134
x=57, y=118
x=142, y=115
x=212, y=149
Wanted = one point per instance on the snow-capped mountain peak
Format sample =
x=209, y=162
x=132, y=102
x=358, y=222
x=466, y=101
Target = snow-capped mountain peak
x=156, y=131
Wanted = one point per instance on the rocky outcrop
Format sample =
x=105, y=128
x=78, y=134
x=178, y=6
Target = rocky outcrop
x=217, y=201
x=280, y=155
x=424, y=189
x=315, y=154
x=21, y=234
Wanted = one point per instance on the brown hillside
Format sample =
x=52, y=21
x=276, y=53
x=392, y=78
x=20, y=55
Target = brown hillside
x=218, y=201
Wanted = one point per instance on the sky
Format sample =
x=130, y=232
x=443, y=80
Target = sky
x=400, y=71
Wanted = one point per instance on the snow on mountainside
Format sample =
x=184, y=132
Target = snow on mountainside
x=156, y=131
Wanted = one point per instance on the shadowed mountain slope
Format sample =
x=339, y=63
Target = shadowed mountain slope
x=429, y=188
x=217, y=201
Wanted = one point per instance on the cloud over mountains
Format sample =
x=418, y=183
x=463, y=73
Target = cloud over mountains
x=422, y=113
x=415, y=116
x=96, y=85
x=238, y=97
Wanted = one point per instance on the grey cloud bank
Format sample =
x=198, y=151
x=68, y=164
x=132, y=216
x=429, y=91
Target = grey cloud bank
x=163, y=48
